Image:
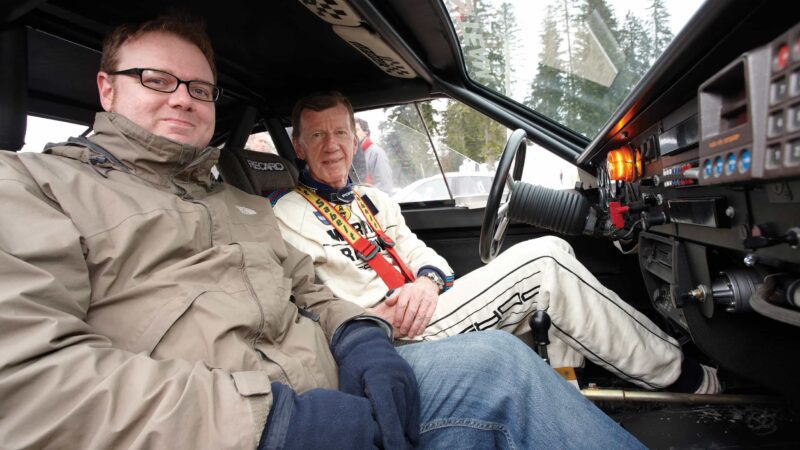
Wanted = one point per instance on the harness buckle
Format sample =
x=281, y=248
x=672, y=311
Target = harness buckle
x=386, y=243
x=370, y=255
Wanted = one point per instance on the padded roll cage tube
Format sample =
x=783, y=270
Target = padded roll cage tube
x=13, y=87
x=281, y=140
x=243, y=128
x=539, y=134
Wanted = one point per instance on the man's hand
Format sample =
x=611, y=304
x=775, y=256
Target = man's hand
x=413, y=304
x=370, y=367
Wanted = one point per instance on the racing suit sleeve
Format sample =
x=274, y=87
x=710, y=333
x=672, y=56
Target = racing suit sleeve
x=415, y=253
x=63, y=385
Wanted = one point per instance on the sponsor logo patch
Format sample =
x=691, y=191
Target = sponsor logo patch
x=246, y=211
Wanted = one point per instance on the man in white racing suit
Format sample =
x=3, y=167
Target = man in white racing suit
x=364, y=252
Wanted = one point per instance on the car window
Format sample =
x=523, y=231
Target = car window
x=426, y=143
x=571, y=60
x=41, y=131
x=261, y=142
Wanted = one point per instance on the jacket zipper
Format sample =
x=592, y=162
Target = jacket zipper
x=254, y=298
x=208, y=218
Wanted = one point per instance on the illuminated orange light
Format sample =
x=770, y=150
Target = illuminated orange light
x=624, y=164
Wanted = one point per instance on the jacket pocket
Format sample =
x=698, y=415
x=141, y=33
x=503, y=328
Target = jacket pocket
x=251, y=382
x=150, y=333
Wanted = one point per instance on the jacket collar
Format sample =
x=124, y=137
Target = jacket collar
x=336, y=196
x=153, y=158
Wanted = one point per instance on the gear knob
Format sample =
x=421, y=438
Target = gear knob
x=539, y=322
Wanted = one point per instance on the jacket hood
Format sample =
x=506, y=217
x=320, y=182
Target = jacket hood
x=153, y=158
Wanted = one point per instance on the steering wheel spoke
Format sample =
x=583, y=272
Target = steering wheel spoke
x=500, y=232
x=496, y=215
x=502, y=211
x=510, y=183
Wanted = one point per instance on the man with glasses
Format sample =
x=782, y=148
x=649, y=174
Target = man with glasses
x=144, y=305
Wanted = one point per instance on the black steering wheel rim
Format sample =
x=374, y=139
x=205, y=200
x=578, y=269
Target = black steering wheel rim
x=491, y=241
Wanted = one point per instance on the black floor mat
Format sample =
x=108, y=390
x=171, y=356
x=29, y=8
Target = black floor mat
x=709, y=427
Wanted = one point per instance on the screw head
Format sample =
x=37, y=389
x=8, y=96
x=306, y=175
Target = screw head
x=750, y=260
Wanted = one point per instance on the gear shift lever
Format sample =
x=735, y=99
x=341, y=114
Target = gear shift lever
x=540, y=324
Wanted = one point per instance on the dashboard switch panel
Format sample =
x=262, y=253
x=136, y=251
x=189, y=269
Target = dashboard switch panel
x=784, y=137
x=733, y=122
x=750, y=118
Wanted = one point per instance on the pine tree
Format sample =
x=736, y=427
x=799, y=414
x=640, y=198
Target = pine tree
x=658, y=25
x=547, y=88
x=487, y=37
x=596, y=25
x=502, y=43
x=472, y=134
x=636, y=45
x=406, y=143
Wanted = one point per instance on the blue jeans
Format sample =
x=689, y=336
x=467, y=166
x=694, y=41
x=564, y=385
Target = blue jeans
x=488, y=390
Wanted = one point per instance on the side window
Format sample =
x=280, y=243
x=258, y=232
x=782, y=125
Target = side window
x=461, y=163
x=261, y=142
x=42, y=131
x=394, y=152
x=544, y=168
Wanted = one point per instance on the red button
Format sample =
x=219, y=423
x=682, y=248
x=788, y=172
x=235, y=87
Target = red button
x=781, y=57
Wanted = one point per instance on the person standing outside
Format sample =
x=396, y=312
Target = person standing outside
x=378, y=172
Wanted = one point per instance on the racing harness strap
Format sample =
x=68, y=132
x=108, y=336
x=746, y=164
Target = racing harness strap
x=366, y=250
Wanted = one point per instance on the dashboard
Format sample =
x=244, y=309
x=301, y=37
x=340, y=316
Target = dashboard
x=704, y=185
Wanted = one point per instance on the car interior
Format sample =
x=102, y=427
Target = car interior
x=687, y=201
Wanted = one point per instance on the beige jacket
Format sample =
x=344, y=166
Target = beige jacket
x=148, y=307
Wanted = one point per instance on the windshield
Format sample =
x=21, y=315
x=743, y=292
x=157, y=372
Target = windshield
x=572, y=60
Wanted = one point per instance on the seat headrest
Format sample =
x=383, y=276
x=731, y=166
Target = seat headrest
x=257, y=172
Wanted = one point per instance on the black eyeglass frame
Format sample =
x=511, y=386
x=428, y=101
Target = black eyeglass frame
x=138, y=71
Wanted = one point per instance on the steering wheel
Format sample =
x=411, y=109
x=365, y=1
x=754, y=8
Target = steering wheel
x=495, y=217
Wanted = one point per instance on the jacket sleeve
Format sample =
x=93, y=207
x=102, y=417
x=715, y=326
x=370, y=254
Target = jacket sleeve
x=62, y=385
x=317, y=298
x=380, y=169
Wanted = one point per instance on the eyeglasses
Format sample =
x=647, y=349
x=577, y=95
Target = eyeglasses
x=161, y=81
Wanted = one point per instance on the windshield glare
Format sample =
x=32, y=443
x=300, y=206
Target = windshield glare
x=572, y=60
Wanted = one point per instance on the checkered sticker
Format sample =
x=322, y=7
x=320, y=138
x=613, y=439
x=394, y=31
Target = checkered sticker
x=335, y=12
x=373, y=47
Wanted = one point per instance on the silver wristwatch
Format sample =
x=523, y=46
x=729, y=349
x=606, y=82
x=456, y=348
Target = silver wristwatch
x=433, y=276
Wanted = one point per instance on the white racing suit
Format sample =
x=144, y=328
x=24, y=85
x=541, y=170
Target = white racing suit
x=588, y=320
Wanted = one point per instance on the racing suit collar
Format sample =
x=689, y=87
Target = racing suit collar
x=336, y=196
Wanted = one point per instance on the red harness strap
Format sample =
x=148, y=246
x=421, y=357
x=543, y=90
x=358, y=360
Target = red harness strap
x=365, y=249
x=387, y=242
